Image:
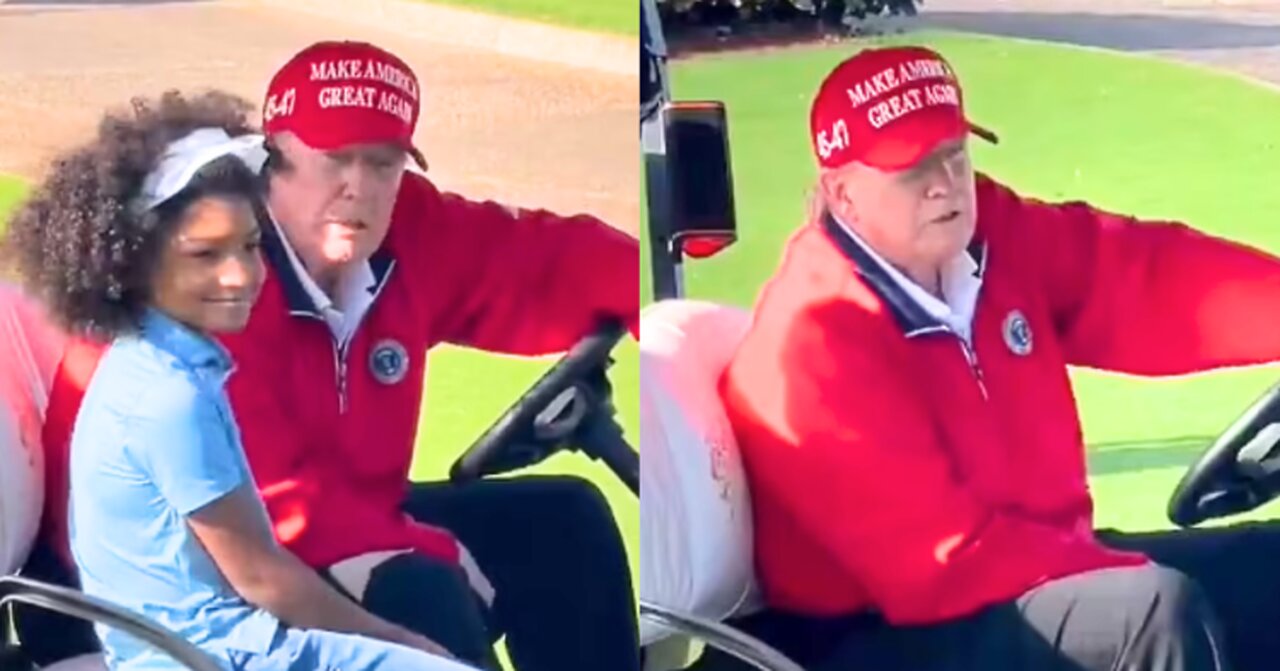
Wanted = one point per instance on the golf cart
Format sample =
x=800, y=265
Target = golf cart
x=567, y=408
x=695, y=526
x=697, y=568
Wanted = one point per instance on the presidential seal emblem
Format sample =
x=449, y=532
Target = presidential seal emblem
x=389, y=361
x=1017, y=333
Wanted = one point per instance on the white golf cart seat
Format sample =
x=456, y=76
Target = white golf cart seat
x=30, y=350
x=696, y=557
x=29, y=354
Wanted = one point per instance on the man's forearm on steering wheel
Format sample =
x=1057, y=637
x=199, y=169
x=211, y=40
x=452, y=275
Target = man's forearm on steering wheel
x=1149, y=297
x=545, y=281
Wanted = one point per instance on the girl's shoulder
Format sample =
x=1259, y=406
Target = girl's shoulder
x=141, y=359
x=138, y=379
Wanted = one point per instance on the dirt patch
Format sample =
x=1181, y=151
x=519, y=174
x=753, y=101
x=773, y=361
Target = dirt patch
x=493, y=126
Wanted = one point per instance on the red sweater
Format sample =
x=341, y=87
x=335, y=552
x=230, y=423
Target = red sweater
x=330, y=432
x=891, y=472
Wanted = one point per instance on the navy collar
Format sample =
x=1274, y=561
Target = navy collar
x=189, y=346
x=299, y=301
x=910, y=315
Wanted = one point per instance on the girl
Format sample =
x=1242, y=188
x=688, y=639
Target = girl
x=147, y=238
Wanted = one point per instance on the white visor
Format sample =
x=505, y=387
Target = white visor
x=185, y=157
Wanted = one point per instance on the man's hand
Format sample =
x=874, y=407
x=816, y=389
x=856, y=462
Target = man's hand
x=479, y=582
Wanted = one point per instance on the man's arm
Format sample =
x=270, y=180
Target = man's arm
x=1144, y=297
x=531, y=282
x=839, y=442
x=235, y=532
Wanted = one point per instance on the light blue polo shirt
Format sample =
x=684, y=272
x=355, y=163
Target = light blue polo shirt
x=154, y=442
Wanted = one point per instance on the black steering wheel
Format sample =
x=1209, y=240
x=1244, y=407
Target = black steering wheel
x=569, y=407
x=1238, y=472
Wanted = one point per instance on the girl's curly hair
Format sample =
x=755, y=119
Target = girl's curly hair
x=76, y=241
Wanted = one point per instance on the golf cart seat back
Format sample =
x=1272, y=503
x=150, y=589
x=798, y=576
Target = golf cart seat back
x=30, y=349
x=695, y=515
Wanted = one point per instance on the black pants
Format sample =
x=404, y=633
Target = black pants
x=454, y=616
x=1212, y=603
x=556, y=559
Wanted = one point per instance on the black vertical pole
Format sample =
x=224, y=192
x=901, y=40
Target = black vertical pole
x=654, y=93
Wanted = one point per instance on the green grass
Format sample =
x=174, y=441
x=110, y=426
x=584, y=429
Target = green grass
x=1141, y=136
x=11, y=190
x=608, y=16
x=457, y=411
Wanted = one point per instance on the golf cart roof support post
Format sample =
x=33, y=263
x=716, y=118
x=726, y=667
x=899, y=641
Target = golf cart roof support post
x=665, y=257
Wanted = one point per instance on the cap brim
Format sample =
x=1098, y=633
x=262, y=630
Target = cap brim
x=912, y=144
x=333, y=141
x=417, y=157
x=984, y=133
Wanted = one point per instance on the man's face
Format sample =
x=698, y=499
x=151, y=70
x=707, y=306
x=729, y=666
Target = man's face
x=919, y=218
x=335, y=206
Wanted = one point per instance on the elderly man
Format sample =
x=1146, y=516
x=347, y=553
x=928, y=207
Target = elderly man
x=908, y=424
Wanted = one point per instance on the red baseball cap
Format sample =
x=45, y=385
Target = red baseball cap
x=888, y=108
x=333, y=94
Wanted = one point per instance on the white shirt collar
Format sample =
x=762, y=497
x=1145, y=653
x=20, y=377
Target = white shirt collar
x=960, y=282
x=355, y=287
